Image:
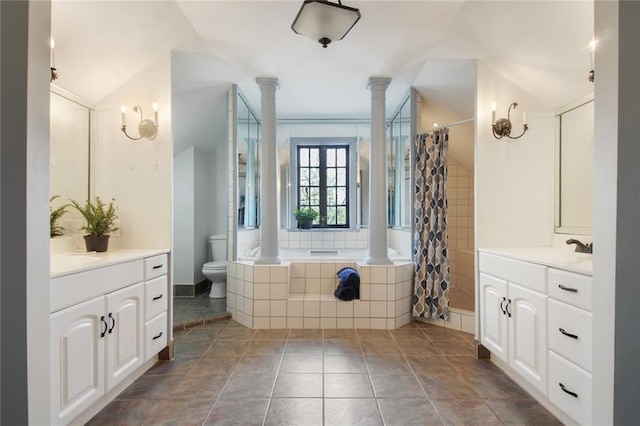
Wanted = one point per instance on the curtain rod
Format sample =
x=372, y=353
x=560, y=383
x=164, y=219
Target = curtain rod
x=455, y=123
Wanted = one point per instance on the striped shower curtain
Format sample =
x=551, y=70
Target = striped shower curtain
x=431, y=242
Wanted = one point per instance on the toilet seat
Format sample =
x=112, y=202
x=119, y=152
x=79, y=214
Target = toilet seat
x=215, y=266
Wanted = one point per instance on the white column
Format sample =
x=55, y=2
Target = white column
x=377, y=175
x=268, y=174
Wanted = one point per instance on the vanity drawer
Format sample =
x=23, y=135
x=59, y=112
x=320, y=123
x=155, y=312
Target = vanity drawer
x=156, y=299
x=571, y=288
x=575, y=399
x=525, y=274
x=576, y=344
x=155, y=335
x=155, y=266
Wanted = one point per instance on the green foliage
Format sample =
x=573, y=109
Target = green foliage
x=56, y=230
x=100, y=217
x=304, y=214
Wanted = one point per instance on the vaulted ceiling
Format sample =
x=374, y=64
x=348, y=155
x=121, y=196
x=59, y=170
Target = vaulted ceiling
x=541, y=46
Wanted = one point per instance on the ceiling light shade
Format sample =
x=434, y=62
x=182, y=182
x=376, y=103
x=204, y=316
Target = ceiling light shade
x=324, y=22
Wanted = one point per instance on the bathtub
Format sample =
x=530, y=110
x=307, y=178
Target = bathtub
x=323, y=255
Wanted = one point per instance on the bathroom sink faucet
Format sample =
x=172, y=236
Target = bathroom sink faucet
x=580, y=246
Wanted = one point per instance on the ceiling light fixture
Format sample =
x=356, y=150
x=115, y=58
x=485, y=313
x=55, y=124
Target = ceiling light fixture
x=324, y=22
x=502, y=127
x=147, y=128
x=54, y=71
x=592, y=52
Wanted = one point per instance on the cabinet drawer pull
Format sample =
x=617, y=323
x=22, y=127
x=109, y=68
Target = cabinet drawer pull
x=573, y=336
x=564, y=389
x=504, y=299
x=103, y=322
x=572, y=290
x=158, y=336
x=507, y=308
x=113, y=322
x=158, y=297
x=158, y=266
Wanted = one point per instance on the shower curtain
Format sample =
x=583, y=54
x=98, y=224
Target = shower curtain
x=431, y=242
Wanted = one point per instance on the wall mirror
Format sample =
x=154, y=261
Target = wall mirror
x=399, y=167
x=70, y=154
x=574, y=167
x=248, y=165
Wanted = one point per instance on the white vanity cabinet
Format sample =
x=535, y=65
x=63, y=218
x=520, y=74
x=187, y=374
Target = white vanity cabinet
x=99, y=328
x=513, y=315
x=536, y=318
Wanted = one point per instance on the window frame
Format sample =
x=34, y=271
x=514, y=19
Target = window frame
x=352, y=155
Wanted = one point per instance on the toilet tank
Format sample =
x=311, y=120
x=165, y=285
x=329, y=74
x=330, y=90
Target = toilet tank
x=218, y=247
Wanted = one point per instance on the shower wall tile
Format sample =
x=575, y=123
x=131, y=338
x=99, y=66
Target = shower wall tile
x=344, y=323
x=278, y=323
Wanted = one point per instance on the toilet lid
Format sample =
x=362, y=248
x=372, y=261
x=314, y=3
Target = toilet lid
x=216, y=264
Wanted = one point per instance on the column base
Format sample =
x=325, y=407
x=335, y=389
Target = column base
x=265, y=260
x=378, y=261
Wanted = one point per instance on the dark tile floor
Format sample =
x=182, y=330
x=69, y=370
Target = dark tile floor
x=188, y=310
x=226, y=374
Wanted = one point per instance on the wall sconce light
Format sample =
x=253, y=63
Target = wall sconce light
x=502, y=127
x=324, y=22
x=54, y=71
x=592, y=52
x=146, y=128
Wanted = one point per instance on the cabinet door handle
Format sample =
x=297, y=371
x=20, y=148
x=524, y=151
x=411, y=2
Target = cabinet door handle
x=507, y=308
x=103, y=322
x=572, y=290
x=573, y=336
x=564, y=389
x=158, y=266
x=158, y=336
x=158, y=297
x=113, y=322
x=504, y=299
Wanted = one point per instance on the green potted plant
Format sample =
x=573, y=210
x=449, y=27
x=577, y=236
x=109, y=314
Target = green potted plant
x=55, y=229
x=100, y=219
x=305, y=217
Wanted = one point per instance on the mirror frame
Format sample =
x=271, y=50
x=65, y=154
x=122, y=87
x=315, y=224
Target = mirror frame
x=558, y=228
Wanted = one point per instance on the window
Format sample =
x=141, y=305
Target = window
x=323, y=183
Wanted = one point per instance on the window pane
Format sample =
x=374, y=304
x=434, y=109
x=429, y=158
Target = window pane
x=331, y=177
x=304, y=157
x=315, y=196
x=331, y=215
x=331, y=157
x=304, y=196
x=342, y=157
x=315, y=157
x=317, y=219
x=342, y=177
x=314, y=177
x=331, y=197
x=341, y=196
x=341, y=216
x=304, y=177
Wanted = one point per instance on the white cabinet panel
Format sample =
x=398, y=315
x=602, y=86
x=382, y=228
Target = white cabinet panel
x=574, y=289
x=77, y=361
x=522, y=273
x=155, y=266
x=493, y=324
x=527, y=335
x=124, y=337
x=156, y=297
x=570, y=388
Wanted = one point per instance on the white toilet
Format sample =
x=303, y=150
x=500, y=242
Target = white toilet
x=216, y=269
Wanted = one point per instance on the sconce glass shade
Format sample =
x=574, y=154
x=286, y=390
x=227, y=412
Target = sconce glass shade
x=324, y=22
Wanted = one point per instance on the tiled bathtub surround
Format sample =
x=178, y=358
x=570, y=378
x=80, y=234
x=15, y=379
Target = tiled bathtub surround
x=321, y=239
x=300, y=295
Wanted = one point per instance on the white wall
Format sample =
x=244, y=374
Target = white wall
x=137, y=173
x=183, y=223
x=218, y=189
x=201, y=211
x=514, y=178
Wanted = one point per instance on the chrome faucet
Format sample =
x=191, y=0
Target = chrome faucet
x=580, y=246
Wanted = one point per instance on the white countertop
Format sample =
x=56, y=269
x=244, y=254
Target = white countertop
x=70, y=263
x=556, y=257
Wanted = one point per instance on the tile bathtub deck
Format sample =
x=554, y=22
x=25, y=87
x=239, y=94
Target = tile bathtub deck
x=226, y=374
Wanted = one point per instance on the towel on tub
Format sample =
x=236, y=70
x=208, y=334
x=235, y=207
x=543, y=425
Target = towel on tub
x=349, y=286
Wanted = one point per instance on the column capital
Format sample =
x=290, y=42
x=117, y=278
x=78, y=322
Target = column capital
x=382, y=82
x=267, y=82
